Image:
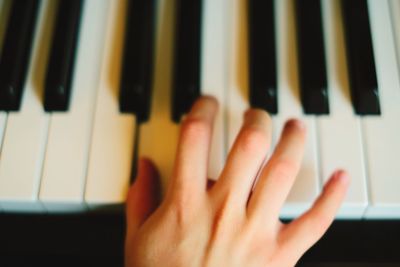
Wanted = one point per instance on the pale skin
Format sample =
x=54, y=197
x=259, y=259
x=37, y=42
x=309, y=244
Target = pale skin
x=234, y=221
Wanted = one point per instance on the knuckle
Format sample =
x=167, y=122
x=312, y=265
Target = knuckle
x=195, y=128
x=180, y=211
x=225, y=218
x=322, y=222
x=253, y=139
x=181, y=219
x=184, y=207
x=284, y=169
x=318, y=223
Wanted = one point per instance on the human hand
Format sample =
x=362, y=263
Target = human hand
x=230, y=223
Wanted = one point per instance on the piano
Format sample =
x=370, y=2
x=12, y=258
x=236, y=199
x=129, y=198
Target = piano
x=88, y=86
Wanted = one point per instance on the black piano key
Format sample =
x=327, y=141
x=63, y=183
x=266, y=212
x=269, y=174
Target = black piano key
x=360, y=58
x=60, y=66
x=311, y=57
x=16, y=51
x=137, y=64
x=135, y=156
x=186, y=84
x=262, y=55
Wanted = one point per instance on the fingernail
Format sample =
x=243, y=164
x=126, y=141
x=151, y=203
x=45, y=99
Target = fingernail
x=204, y=106
x=248, y=119
x=256, y=117
x=295, y=123
x=342, y=176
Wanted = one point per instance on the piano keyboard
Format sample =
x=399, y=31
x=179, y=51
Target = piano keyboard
x=80, y=81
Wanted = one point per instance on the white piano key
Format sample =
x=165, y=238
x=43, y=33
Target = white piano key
x=113, y=134
x=213, y=75
x=161, y=148
x=237, y=60
x=307, y=184
x=65, y=168
x=395, y=16
x=381, y=133
x=26, y=130
x=339, y=132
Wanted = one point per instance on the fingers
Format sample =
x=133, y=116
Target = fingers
x=277, y=177
x=143, y=196
x=191, y=163
x=305, y=231
x=245, y=158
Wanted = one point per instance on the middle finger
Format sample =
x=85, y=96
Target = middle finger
x=245, y=159
x=278, y=176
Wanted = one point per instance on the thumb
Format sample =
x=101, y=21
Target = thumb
x=143, y=196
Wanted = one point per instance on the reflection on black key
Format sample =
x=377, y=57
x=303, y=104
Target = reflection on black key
x=15, y=55
x=62, y=57
x=311, y=57
x=137, y=63
x=360, y=57
x=262, y=55
x=186, y=85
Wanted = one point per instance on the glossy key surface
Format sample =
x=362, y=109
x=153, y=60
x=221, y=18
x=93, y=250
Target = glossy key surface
x=311, y=57
x=137, y=61
x=186, y=83
x=60, y=68
x=262, y=55
x=16, y=51
x=360, y=57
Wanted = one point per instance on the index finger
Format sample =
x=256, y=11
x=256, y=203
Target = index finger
x=191, y=161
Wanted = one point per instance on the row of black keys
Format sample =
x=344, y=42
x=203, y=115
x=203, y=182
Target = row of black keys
x=262, y=56
x=137, y=69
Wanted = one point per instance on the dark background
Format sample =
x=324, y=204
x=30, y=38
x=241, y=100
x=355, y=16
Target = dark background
x=97, y=240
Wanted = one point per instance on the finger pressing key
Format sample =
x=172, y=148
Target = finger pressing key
x=191, y=162
x=245, y=159
x=278, y=175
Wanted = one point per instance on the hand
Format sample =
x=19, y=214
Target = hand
x=230, y=223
